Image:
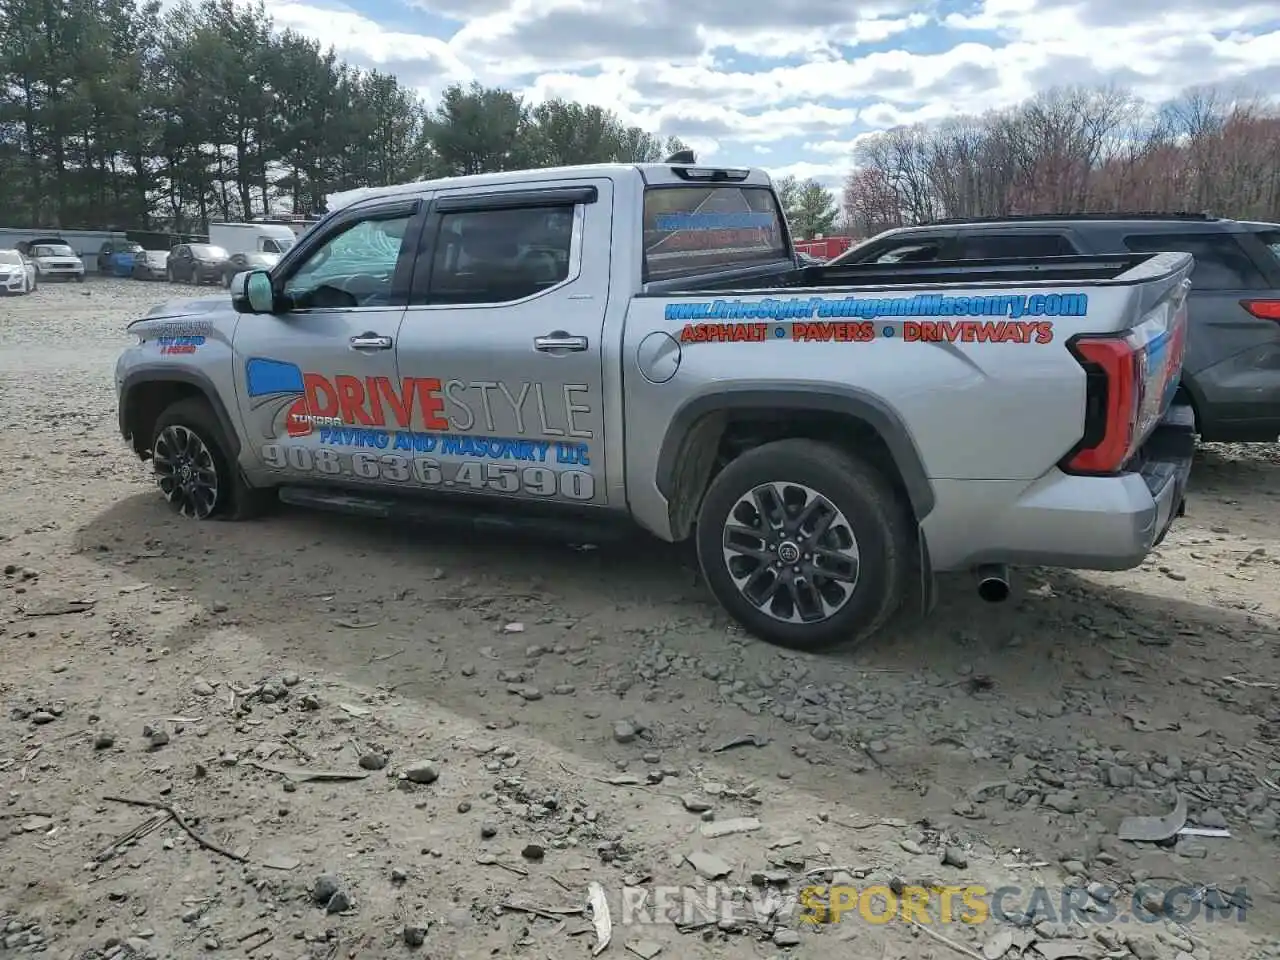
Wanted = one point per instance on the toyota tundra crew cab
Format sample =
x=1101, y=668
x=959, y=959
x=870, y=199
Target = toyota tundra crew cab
x=581, y=345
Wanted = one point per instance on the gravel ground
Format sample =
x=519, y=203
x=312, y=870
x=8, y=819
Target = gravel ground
x=374, y=741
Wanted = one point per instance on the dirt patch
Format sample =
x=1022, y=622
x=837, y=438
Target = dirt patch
x=348, y=739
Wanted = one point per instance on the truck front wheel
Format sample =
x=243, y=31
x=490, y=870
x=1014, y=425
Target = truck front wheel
x=193, y=470
x=805, y=545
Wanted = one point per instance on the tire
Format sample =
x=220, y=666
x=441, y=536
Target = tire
x=188, y=434
x=875, y=518
x=79, y=278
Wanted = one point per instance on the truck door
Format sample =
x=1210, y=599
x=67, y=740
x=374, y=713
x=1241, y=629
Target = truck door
x=504, y=328
x=316, y=383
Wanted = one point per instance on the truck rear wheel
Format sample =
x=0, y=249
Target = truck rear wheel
x=193, y=470
x=805, y=545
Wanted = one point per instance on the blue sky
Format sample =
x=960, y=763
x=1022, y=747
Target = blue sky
x=791, y=85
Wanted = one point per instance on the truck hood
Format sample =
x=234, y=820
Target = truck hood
x=186, y=308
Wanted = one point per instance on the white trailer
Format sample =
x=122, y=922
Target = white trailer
x=251, y=237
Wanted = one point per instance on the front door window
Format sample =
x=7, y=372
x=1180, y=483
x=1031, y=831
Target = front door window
x=352, y=269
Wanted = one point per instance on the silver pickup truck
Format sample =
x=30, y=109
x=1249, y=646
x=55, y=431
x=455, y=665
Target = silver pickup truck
x=578, y=346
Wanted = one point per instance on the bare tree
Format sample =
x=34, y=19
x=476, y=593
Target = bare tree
x=1073, y=150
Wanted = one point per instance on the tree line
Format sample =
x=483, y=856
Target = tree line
x=116, y=115
x=1074, y=150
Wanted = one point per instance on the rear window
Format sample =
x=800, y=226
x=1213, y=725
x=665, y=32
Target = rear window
x=690, y=230
x=208, y=251
x=1221, y=263
x=995, y=246
x=1272, y=239
x=909, y=251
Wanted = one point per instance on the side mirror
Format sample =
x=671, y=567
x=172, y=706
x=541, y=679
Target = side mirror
x=251, y=292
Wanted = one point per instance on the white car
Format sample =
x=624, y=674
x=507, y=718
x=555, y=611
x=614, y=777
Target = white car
x=17, y=273
x=56, y=261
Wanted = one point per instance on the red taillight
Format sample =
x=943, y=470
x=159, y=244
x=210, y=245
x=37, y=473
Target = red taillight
x=1113, y=367
x=1263, y=309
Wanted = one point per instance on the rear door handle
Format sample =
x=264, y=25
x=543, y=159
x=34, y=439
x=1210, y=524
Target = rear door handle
x=559, y=340
x=370, y=341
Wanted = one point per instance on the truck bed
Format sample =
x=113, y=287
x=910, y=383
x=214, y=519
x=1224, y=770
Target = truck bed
x=1015, y=271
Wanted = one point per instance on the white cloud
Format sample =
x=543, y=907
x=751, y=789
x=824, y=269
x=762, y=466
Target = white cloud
x=830, y=175
x=420, y=60
x=776, y=44
x=836, y=148
x=800, y=81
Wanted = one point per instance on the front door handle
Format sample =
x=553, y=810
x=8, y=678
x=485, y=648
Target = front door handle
x=370, y=341
x=559, y=340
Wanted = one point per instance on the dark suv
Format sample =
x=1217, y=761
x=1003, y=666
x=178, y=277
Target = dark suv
x=1231, y=374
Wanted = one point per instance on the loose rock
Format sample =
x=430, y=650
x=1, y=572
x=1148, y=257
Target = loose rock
x=422, y=772
x=324, y=887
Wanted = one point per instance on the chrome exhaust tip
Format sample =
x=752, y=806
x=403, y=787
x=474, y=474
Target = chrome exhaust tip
x=993, y=582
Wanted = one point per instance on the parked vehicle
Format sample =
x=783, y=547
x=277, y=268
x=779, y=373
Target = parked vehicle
x=636, y=344
x=17, y=273
x=197, y=263
x=151, y=265
x=123, y=260
x=240, y=262
x=54, y=259
x=1231, y=377
x=116, y=257
x=252, y=237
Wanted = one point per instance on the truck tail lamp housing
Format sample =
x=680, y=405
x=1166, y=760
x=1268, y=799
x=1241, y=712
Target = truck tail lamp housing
x=1263, y=309
x=1131, y=379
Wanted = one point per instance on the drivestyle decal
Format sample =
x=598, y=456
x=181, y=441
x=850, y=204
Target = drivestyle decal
x=866, y=331
x=371, y=428
x=177, y=337
x=177, y=345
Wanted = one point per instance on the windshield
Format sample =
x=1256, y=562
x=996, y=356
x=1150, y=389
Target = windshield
x=157, y=254
x=10, y=257
x=53, y=250
x=207, y=252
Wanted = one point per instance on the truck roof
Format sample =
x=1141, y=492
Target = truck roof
x=650, y=173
